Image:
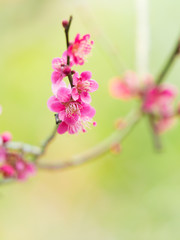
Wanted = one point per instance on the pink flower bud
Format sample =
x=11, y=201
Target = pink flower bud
x=65, y=23
x=94, y=124
x=6, y=137
x=115, y=148
x=67, y=70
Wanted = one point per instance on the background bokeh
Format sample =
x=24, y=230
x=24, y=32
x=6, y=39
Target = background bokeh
x=131, y=196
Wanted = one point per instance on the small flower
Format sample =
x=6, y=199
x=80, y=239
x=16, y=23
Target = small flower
x=61, y=68
x=6, y=137
x=74, y=115
x=158, y=100
x=80, y=48
x=7, y=171
x=126, y=87
x=164, y=124
x=83, y=84
x=14, y=166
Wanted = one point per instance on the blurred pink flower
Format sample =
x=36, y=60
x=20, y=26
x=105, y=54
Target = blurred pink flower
x=14, y=166
x=158, y=100
x=7, y=171
x=126, y=87
x=6, y=137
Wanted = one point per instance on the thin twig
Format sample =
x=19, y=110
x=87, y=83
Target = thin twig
x=46, y=143
x=67, y=44
x=155, y=136
x=174, y=54
x=97, y=151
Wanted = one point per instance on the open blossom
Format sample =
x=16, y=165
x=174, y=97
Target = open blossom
x=158, y=100
x=83, y=84
x=61, y=69
x=74, y=115
x=15, y=166
x=126, y=87
x=80, y=48
x=12, y=165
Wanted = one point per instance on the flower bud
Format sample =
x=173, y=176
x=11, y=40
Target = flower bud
x=67, y=70
x=65, y=23
x=6, y=137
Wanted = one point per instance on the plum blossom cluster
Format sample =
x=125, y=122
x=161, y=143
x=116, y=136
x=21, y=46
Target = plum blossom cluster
x=12, y=163
x=71, y=102
x=157, y=100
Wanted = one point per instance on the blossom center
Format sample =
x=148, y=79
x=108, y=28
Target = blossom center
x=83, y=86
x=72, y=109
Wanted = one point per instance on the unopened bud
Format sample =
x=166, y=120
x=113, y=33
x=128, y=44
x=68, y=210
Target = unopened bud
x=6, y=137
x=115, y=148
x=65, y=23
x=120, y=123
x=67, y=70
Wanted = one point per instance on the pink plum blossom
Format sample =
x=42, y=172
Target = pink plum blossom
x=6, y=137
x=15, y=166
x=7, y=171
x=83, y=84
x=158, y=99
x=61, y=69
x=164, y=124
x=74, y=115
x=126, y=87
x=80, y=48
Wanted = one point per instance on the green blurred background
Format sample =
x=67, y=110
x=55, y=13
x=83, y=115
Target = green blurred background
x=131, y=196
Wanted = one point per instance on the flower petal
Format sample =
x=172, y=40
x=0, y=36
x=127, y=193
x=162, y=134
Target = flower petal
x=54, y=105
x=64, y=94
x=85, y=97
x=62, y=128
x=57, y=85
x=87, y=111
x=56, y=76
x=86, y=75
x=75, y=94
x=93, y=85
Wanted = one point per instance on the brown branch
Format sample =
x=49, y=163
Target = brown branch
x=99, y=150
x=174, y=54
x=155, y=136
x=46, y=143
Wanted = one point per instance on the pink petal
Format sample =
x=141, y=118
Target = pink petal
x=72, y=129
x=119, y=89
x=93, y=85
x=64, y=94
x=56, y=76
x=87, y=111
x=85, y=97
x=56, y=63
x=71, y=120
x=86, y=75
x=54, y=105
x=75, y=78
x=75, y=94
x=6, y=136
x=57, y=85
x=62, y=128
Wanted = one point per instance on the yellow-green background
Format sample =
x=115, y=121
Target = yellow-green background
x=131, y=196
